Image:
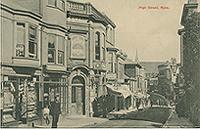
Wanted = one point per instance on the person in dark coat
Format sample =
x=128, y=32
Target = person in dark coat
x=55, y=111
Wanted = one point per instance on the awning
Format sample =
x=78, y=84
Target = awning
x=121, y=90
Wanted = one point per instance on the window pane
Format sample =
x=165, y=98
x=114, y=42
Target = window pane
x=61, y=5
x=20, y=46
x=52, y=2
x=32, y=32
x=51, y=55
x=20, y=36
x=32, y=47
x=20, y=50
x=51, y=48
x=73, y=94
x=32, y=44
x=60, y=57
x=97, y=46
x=61, y=41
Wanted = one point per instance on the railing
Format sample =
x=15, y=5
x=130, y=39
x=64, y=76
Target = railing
x=76, y=7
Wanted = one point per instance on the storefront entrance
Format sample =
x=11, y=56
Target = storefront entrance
x=78, y=96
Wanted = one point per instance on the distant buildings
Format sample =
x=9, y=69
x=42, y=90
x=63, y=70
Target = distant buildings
x=167, y=79
x=151, y=75
x=65, y=48
x=190, y=61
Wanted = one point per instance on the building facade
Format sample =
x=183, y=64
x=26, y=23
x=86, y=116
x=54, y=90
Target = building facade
x=167, y=78
x=190, y=61
x=56, y=47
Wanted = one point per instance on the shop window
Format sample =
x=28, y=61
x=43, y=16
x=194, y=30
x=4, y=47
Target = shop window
x=20, y=46
x=61, y=42
x=61, y=5
x=52, y=2
x=51, y=48
x=73, y=94
x=97, y=46
x=32, y=43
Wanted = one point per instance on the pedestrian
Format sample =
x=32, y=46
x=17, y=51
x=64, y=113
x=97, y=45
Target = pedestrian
x=55, y=111
x=46, y=114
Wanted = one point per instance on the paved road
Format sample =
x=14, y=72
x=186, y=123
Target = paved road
x=126, y=124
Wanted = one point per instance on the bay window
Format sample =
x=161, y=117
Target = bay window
x=26, y=45
x=56, y=49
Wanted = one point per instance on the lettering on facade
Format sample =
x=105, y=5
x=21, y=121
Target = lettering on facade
x=78, y=47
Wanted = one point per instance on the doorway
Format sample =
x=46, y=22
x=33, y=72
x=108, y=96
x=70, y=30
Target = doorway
x=78, y=96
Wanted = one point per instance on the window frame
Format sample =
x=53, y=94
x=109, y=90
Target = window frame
x=51, y=49
x=22, y=46
x=62, y=50
x=33, y=41
x=97, y=46
x=104, y=47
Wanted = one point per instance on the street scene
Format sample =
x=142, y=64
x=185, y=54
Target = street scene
x=100, y=64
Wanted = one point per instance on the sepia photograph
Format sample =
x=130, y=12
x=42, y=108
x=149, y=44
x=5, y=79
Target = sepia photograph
x=100, y=63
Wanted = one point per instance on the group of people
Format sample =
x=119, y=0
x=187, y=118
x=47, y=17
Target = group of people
x=54, y=109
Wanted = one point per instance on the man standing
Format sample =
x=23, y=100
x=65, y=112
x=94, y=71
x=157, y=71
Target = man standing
x=55, y=111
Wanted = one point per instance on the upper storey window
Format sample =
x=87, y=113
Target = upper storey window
x=52, y=49
x=20, y=46
x=56, y=49
x=97, y=46
x=61, y=50
x=104, y=47
x=32, y=43
x=26, y=48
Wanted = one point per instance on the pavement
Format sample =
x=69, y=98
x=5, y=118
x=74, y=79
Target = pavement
x=177, y=122
x=67, y=122
x=126, y=124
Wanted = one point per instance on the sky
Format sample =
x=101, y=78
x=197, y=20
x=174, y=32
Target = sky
x=152, y=31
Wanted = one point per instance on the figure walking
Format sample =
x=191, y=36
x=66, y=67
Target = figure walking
x=55, y=111
x=46, y=114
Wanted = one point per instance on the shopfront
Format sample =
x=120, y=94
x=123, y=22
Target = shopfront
x=55, y=86
x=19, y=99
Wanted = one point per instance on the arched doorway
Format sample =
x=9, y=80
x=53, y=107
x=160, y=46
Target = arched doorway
x=78, y=96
